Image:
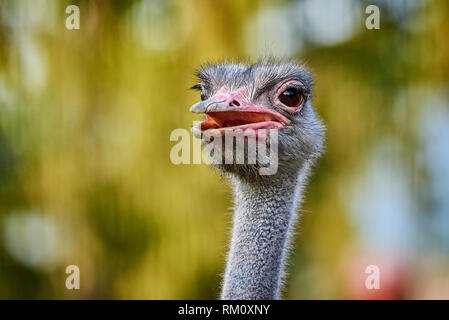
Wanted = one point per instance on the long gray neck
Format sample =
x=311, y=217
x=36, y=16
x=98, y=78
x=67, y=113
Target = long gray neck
x=263, y=221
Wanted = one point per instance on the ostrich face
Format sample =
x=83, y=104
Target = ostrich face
x=267, y=95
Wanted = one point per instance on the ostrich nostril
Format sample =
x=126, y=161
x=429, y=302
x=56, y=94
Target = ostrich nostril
x=234, y=103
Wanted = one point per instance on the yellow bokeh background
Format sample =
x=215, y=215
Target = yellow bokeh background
x=85, y=123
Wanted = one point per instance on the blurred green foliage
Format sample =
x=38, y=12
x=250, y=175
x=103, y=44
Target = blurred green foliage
x=85, y=120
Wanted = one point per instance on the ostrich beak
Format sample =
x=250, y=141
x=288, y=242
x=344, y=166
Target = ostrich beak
x=222, y=116
x=208, y=106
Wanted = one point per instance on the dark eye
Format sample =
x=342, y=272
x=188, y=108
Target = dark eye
x=199, y=87
x=291, y=98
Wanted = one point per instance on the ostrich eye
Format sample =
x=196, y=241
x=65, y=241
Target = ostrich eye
x=291, y=98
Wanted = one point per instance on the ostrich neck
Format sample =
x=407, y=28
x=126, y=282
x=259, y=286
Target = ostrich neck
x=263, y=220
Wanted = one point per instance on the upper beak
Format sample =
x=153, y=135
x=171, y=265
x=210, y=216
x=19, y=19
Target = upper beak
x=212, y=106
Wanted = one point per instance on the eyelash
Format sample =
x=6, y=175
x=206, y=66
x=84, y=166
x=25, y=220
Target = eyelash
x=197, y=87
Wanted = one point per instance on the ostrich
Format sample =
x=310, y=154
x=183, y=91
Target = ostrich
x=265, y=95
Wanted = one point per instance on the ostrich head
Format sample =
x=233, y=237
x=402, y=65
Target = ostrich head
x=257, y=98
